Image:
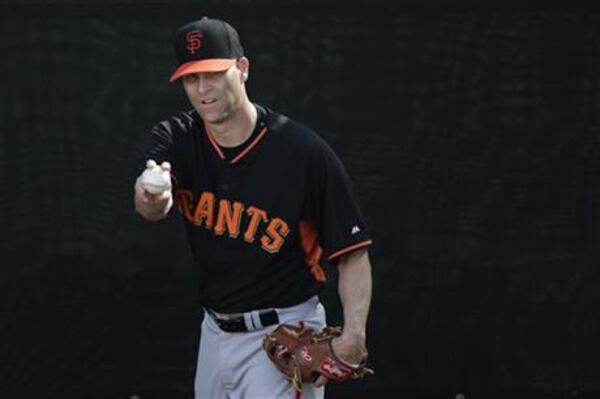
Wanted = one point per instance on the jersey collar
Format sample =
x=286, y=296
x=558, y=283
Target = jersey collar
x=242, y=154
x=263, y=118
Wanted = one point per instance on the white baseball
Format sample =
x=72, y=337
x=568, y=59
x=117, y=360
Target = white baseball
x=156, y=180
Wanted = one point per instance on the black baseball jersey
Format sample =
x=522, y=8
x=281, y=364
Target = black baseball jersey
x=259, y=218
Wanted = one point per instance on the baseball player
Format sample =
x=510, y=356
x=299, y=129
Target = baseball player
x=263, y=199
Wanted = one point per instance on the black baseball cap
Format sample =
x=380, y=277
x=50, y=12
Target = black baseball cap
x=207, y=45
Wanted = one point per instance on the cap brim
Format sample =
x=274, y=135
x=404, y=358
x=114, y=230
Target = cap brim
x=211, y=65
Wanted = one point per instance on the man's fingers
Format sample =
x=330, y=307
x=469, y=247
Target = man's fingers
x=166, y=166
x=151, y=163
x=321, y=381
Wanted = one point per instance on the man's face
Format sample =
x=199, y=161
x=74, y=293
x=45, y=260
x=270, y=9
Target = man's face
x=215, y=95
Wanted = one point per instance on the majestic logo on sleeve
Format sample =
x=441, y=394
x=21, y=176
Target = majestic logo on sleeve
x=223, y=216
x=194, y=41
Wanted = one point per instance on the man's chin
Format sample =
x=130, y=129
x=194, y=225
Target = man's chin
x=214, y=118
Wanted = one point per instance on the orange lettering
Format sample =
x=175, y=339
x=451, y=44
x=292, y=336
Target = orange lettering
x=184, y=200
x=256, y=215
x=276, y=231
x=231, y=217
x=205, y=210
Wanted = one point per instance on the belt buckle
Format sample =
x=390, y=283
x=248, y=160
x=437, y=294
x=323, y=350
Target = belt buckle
x=229, y=323
x=225, y=324
x=219, y=317
x=223, y=318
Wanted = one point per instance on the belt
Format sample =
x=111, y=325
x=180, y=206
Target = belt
x=245, y=322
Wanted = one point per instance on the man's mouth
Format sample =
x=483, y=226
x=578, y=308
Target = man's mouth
x=207, y=101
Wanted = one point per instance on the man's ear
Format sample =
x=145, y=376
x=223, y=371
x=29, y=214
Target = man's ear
x=244, y=65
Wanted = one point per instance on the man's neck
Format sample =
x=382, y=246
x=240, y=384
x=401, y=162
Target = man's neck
x=236, y=130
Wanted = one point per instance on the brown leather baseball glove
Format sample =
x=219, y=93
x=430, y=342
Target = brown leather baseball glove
x=303, y=354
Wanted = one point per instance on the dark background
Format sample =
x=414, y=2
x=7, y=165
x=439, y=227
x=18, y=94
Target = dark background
x=470, y=130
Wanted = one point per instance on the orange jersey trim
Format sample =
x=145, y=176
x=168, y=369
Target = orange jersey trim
x=309, y=240
x=213, y=142
x=251, y=146
x=350, y=249
x=242, y=154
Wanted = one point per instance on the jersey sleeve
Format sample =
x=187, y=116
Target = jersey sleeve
x=159, y=143
x=331, y=205
x=159, y=146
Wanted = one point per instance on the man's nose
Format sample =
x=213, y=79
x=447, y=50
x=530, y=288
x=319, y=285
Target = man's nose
x=203, y=84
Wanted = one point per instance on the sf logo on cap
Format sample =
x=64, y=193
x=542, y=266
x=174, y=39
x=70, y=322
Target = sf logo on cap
x=193, y=40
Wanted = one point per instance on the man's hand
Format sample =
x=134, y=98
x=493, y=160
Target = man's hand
x=350, y=349
x=153, y=207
